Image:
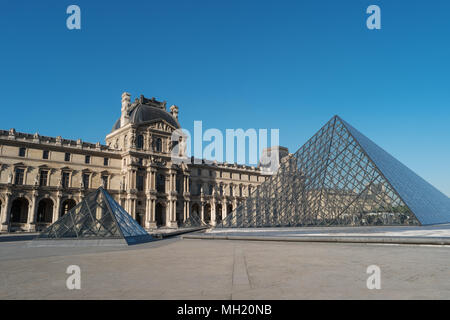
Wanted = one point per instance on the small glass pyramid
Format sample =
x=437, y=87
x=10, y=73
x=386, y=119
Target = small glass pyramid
x=98, y=216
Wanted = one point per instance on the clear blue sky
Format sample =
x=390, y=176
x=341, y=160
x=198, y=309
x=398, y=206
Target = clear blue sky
x=290, y=65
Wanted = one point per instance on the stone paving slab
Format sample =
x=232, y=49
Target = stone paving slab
x=198, y=269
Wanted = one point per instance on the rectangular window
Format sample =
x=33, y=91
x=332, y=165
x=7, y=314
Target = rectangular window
x=67, y=157
x=65, y=180
x=106, y=161
x=19, y=176
x=45, y=154
x=43, y=178
x=22, y=152
x=86, y=180
x=87, y=159
x=140, y=183
x=105, y=182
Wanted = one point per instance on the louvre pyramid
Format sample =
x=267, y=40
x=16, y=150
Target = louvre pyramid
x=340, y=177
x=98, y=216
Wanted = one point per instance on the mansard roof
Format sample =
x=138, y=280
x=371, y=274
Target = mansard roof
x=148, y=110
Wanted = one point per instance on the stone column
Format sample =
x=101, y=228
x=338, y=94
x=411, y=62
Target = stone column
x=32, y=212
x=185, y=210
x=153, y=180
x=186, y=195
x=235, y=205
x=153, y=219
x=57, y=208
x=133, y=208
x=224, y=209
x=6, y=214
x=168, y=213
x=150, y=222
x=213, y=212
x=202, y=212
x=172, y=199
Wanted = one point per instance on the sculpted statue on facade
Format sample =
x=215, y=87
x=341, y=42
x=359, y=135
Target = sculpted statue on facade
x=150, y=142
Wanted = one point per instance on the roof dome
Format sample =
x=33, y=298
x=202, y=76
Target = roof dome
x=146, y=110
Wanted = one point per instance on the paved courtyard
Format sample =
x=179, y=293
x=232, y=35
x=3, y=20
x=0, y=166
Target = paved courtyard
x=220, y=269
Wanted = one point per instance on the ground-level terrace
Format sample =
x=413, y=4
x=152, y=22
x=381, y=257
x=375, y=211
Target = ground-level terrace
x=177, y=268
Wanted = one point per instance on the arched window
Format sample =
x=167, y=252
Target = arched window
x=140, y=142
x=207, y=213
x=218, y=213
x=45, y=211
x=19, y=210
x=66, y=206
x=160, y=215
x=195, y=211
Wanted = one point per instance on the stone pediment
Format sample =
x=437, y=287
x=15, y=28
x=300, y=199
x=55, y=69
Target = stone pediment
x=162, y=125
x=19, y=164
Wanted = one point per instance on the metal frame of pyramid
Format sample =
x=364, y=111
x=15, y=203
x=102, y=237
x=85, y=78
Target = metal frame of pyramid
x=99, y=218
x=193, y=221
x=341, y=178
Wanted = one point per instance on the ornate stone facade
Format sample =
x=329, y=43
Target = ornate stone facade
x=41, y=177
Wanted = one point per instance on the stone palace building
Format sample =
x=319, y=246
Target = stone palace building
x=41, y=178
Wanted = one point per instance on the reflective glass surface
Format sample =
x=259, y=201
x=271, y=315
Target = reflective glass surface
x=340, y=177
x=428, y=204
x=97, y=216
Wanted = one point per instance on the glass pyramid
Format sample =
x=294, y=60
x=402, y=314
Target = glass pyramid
x=98, y=216
x=194, y=220
x=340, y=177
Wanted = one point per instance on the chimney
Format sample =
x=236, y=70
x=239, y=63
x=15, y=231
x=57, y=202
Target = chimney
x=125, y=106
x=174, y=111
